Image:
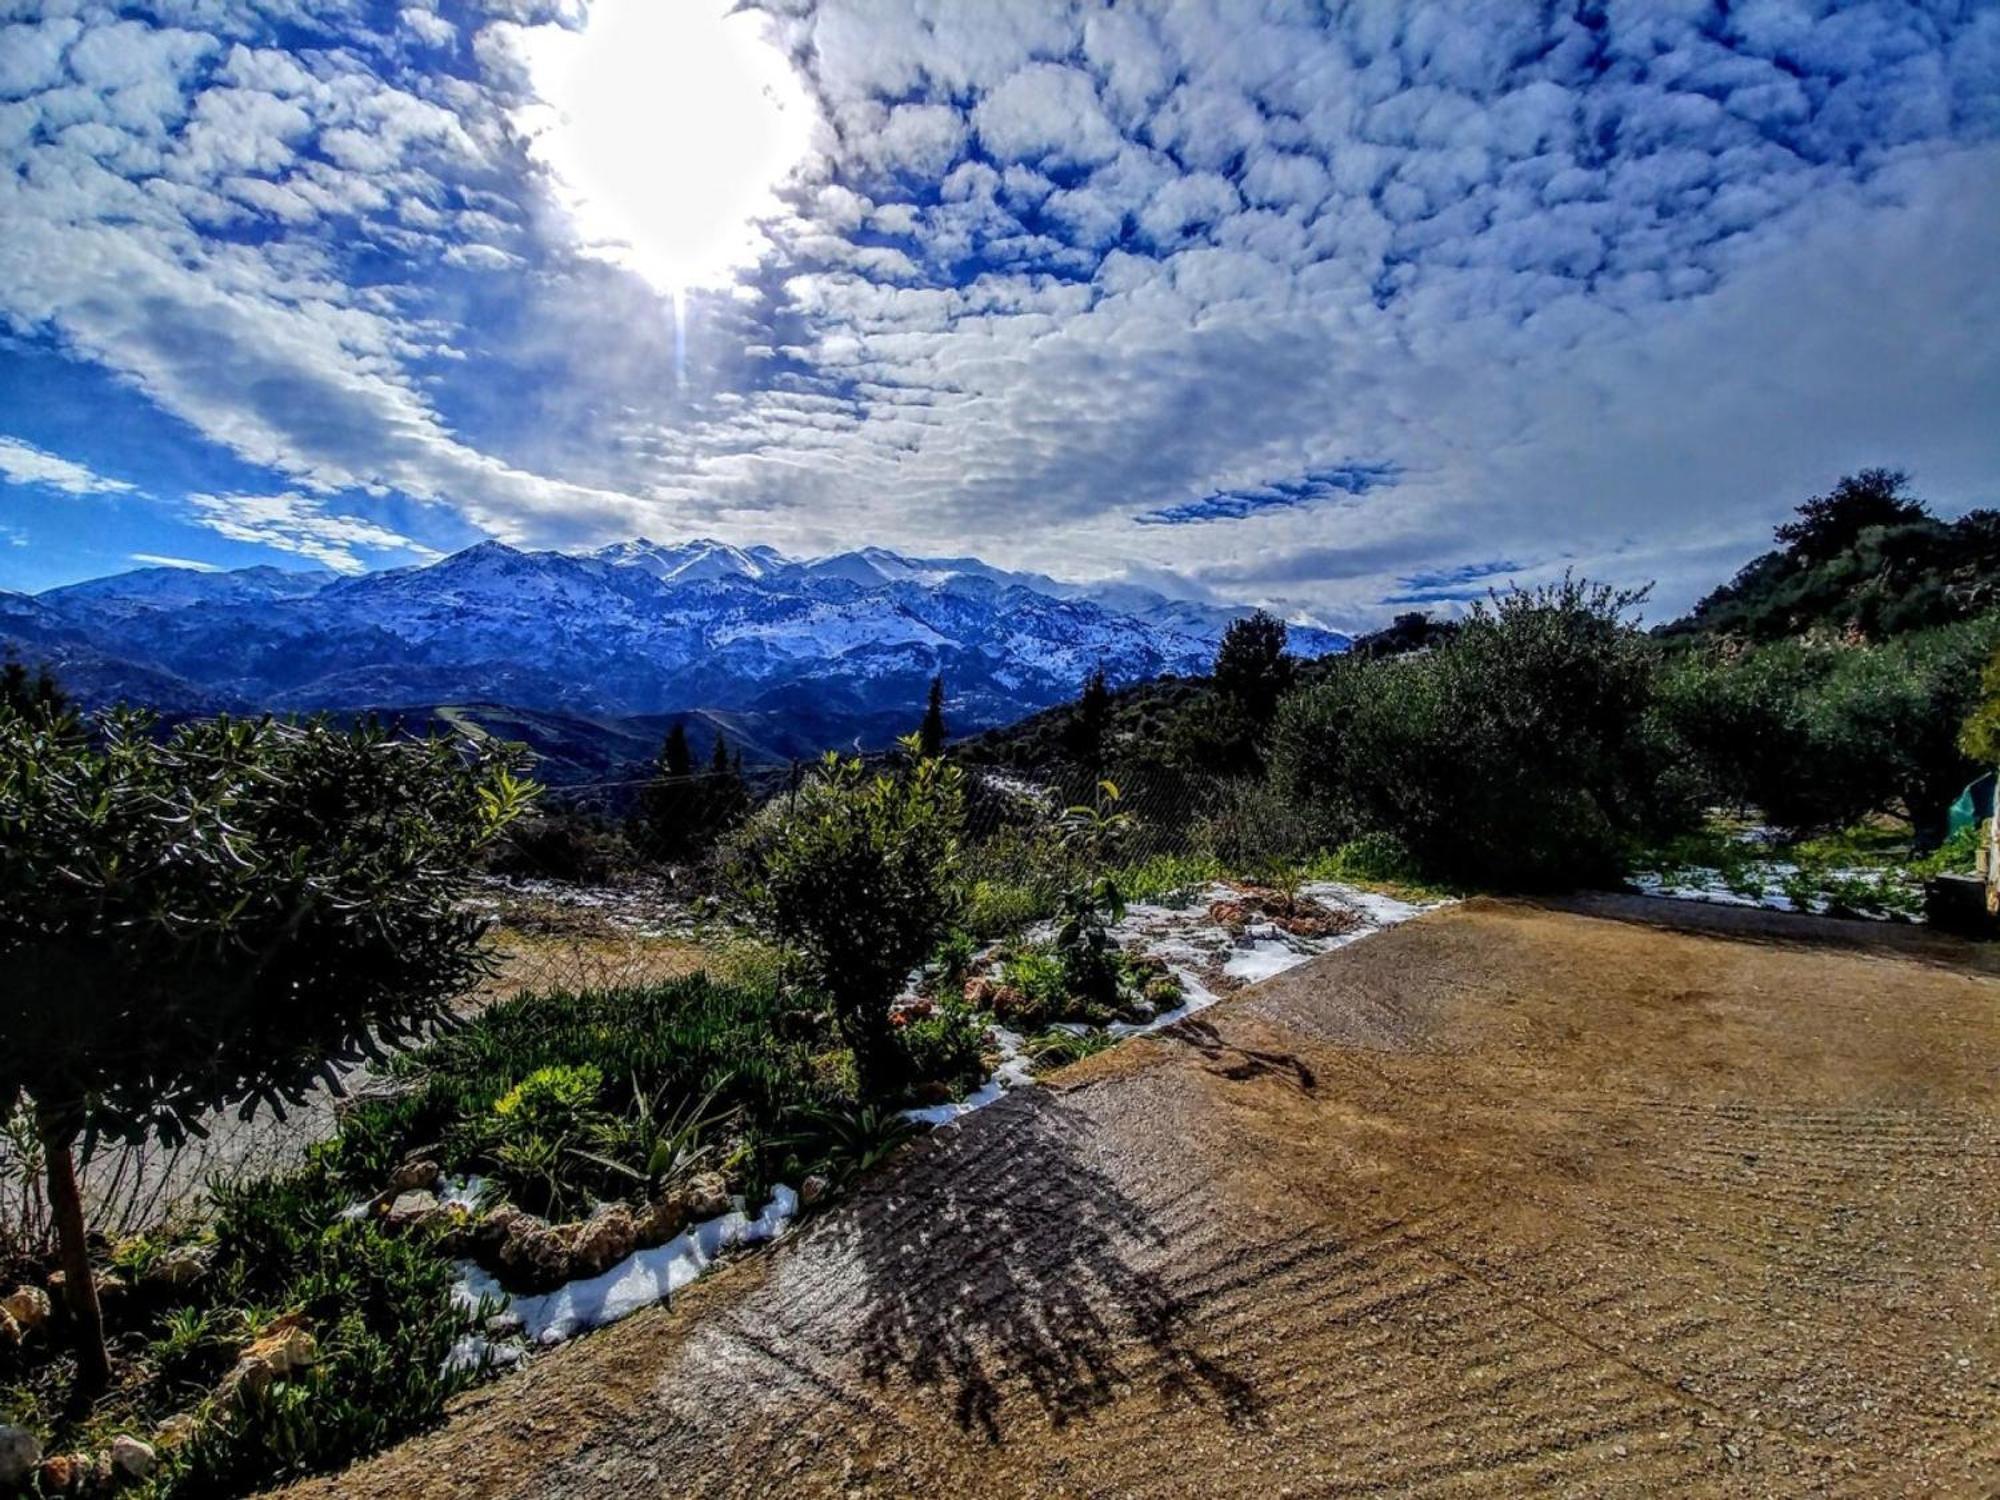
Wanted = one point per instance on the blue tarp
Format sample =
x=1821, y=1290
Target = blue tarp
x=1974, y=804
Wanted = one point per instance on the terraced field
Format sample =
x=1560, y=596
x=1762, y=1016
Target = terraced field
x=1511, y=1199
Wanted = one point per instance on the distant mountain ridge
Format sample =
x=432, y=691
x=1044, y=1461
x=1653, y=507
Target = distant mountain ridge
x=839, y=648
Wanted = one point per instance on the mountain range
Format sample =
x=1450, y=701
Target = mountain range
x=587, y=655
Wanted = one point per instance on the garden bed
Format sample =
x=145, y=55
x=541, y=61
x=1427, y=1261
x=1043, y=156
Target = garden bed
x=1868, y=872
x=581, y=1153
x=1207, y=940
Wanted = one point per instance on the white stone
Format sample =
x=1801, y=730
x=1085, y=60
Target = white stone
x=132, y=1459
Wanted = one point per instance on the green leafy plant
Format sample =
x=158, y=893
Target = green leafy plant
x=847, y=1141
x=859, y=875
x=205, y=919
x=947, y=1046
x=1086, y=911
x=951, y=961
x=667, y=1141
x=1038, y=976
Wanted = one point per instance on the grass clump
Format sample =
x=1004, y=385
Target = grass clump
x=378, y=1308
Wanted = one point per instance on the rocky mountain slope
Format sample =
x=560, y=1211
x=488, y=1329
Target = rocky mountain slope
x=840, y=648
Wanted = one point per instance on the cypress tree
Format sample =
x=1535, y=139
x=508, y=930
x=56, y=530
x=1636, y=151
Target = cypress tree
x=930, y=736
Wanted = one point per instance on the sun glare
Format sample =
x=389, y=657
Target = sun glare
x=667, y=125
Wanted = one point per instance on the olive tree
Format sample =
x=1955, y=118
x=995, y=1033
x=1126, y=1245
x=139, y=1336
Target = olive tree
x=859, y=874
x=1515, y=755
x=212, y=918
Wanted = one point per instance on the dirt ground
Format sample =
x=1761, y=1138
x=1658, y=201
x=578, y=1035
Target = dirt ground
x=1510, y=1199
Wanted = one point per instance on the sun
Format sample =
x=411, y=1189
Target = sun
x=667, y=126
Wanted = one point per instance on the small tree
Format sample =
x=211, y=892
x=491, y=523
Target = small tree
x=930, y=735
x=31, y=696
x=663, y=826
x=859, y=875
x=1831, y=523
x=1083, y=736
x=209, y=920
x=1252, y=670
x=1087, y=910
x=725, y=796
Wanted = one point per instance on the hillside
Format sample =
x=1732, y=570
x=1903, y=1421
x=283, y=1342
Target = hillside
x=1867, y=560
x=789, y=657
x=1144, y=718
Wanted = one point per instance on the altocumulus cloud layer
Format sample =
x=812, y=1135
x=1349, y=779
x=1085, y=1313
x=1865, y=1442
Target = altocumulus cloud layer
x=1329, y=307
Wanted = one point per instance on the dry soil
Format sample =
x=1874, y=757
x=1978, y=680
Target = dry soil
x=1622, y=1197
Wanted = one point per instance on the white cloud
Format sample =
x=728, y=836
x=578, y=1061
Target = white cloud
x=23, y=463
x=158, y=560
x=1607, y=293
x=300, y=524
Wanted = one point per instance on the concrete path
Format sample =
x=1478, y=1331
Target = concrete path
x=1513, y=1199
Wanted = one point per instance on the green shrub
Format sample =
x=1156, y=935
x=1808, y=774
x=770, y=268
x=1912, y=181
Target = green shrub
x=951, y=960
x=1374, y=857
x=1980, y=736
x=1037, y=973
x=859, y=874
x=534, y=1139
x=1168, y=878
x=1516, y=755
x=947, y=1046
x=995, y=910
x=381, y=1309
x=1819, y=735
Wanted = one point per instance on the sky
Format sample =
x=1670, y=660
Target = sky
x=1339, y=309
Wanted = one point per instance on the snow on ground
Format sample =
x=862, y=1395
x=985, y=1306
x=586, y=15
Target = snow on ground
x=1184, y=936
x=641, y=1279
x=1761, y=885
x=1193, y=944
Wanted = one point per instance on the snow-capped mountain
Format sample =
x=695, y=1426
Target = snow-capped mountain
x=846, y=643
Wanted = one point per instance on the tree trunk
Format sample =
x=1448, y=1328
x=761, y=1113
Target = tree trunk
x=93, y=1364
x=1930, y=815
x=878, y=1060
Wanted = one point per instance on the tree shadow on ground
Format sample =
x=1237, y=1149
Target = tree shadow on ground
x=1001, y=1262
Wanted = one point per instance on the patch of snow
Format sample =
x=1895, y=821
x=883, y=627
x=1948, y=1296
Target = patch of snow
x=1013, y=1072
x=1702, y=883
x=638, y=1281
x=1184, y=938
x=1264, y=958
x=463, y=1192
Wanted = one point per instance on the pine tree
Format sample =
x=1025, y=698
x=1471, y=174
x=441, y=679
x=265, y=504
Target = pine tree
x=674, y=758
x=726, y=797
x=664, y=828
x=1088, y=723
x=1251, y=667
x=31, y=697
x=930, y=737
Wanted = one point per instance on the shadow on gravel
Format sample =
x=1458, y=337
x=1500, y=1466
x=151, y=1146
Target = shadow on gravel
x=1007, y=1265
